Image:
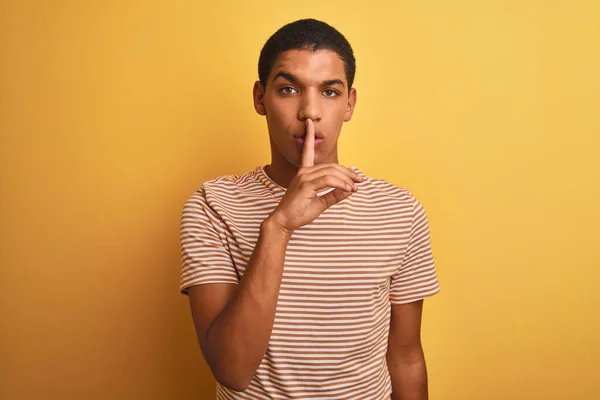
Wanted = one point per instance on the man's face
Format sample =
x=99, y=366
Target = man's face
x=304, y=85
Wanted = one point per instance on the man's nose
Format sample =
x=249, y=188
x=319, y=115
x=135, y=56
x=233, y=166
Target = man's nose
x=310, y=106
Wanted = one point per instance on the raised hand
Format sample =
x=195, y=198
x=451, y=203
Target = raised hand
x=301, y=204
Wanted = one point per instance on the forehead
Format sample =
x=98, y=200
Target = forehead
x=310, y=66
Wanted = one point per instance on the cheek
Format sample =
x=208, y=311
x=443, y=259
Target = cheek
x=341, y=109
x=281, y=115
x=335, y=121
x=337, y=115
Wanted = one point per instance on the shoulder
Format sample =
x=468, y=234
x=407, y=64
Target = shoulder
x=382, y=190
x=221, y=185
x=224, y=190
x=384, y=196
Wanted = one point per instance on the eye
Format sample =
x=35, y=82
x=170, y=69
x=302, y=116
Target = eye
x=287, y=90
x=330, y=93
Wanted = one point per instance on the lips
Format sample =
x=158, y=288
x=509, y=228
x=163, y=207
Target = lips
x=318, y=135
x=300, y=140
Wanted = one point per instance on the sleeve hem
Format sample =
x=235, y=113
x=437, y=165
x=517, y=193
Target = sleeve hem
x=415, y=298
x=184, y=289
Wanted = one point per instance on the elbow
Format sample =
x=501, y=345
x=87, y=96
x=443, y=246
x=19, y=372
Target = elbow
x=231, y=379
x=235, y=385
x=231, y=369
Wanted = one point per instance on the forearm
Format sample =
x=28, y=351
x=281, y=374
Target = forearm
x=238, y=338
x=408, y=373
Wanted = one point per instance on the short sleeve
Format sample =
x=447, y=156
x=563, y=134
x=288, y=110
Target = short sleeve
x=417, y=277
x=205, y=257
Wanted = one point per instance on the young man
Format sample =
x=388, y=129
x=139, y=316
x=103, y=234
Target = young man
x=306, y=279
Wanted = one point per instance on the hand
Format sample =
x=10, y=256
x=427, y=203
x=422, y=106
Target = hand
x=301, y=205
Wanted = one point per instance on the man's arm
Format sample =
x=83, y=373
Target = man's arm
x=234, y=322
x=405, y=358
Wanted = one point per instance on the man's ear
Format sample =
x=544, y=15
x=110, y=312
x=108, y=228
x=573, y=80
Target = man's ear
x=259, y=98
x=351, y=105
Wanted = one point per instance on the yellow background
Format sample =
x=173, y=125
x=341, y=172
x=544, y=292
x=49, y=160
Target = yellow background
x=113, y=112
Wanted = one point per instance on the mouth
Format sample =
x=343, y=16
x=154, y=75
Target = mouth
x=300, y=140
x=318, y=135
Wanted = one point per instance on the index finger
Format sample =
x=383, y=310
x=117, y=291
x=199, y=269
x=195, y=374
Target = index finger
x=308, y=150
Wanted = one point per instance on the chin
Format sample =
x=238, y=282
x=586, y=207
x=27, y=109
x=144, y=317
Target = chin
x=297, y=160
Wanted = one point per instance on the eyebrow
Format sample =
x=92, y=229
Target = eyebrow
x=293, y=79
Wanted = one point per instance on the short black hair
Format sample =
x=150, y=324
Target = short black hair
x=306, y=34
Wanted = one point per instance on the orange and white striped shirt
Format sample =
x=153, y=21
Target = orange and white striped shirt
x=342, y=272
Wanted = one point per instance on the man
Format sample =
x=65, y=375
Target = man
x=305, y=278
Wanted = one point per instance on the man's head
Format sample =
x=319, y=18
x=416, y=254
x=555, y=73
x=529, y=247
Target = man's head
x=306, y=34
x=306, y=70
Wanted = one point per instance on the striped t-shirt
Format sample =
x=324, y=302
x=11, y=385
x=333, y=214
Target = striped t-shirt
x=342, y=272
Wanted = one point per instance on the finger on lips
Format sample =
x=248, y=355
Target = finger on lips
x=308, y=151
x=308, y=156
